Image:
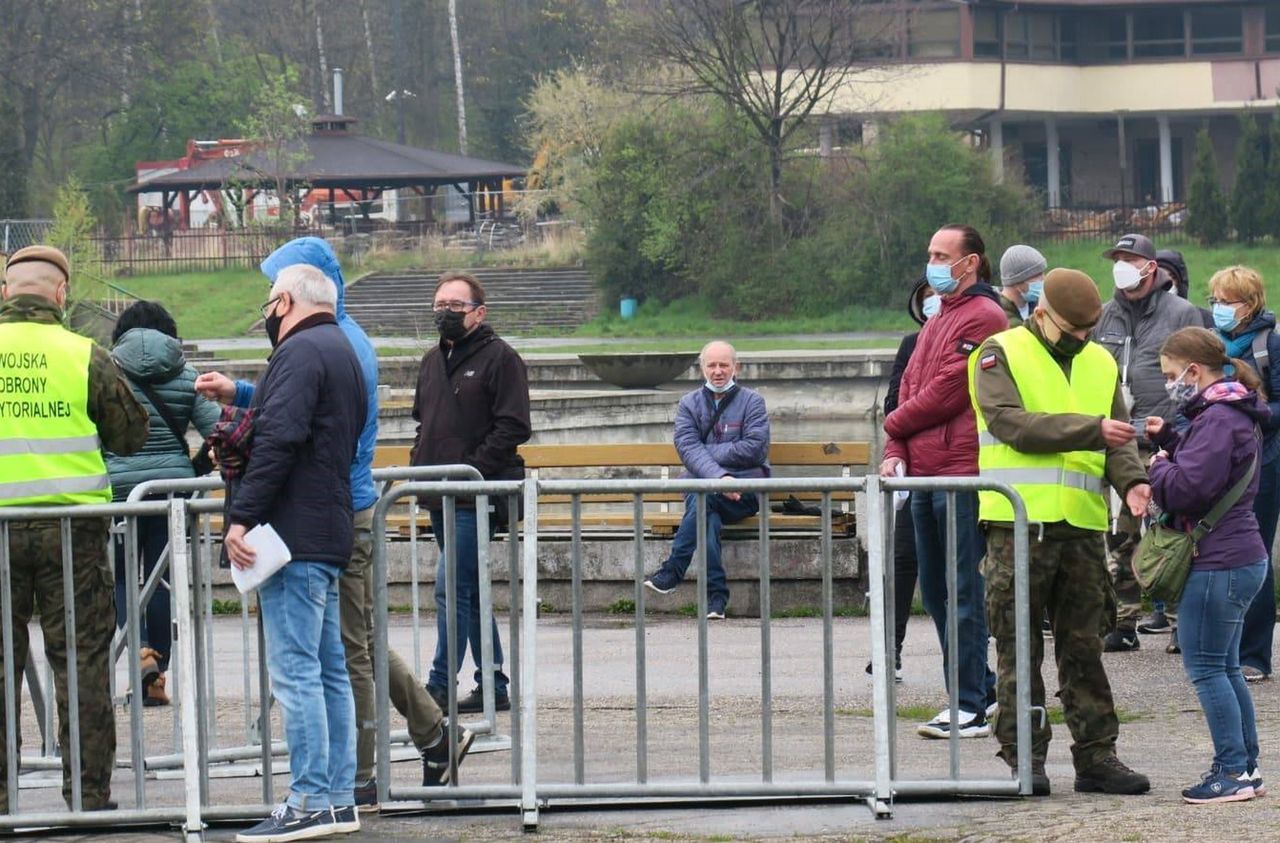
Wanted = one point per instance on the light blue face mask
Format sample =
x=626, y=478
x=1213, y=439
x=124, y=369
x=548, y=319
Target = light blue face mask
x=1034, y=290
x=1224, y=317
x=720, y=390
x=931, y=307
x=939, y=277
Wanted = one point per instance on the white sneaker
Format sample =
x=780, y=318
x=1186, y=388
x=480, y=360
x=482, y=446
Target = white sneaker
x=992, y=709
x=971, y=726
x=1259, y=789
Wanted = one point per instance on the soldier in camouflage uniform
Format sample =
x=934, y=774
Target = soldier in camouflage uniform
x=1033, y=422
x=39, y=393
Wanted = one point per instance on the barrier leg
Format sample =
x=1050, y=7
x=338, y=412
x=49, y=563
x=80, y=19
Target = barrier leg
x=528, y=662
x=883, y=715
x=193, y=827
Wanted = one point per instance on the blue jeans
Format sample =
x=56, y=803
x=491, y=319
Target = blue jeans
x=1210, y=619
x=308, y=667
x=467, y=608
x=1260, y=621
x=720, y=511
x=929, y=512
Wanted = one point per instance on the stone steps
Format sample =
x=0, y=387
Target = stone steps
x=520, y=300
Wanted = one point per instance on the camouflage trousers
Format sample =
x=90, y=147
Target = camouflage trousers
x=35, y=554
x=1069, y=582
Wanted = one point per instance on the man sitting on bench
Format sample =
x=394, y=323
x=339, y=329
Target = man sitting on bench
x=722, y=430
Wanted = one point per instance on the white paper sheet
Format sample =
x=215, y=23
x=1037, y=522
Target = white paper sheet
x=272, y=555
x=900, y=498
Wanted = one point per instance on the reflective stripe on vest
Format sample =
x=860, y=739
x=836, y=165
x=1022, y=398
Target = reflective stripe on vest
x=1055, y=487
x=49, y=447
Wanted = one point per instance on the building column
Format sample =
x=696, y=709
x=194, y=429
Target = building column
x=826, y=137
x=870, y=132
x=1166, y=160
x=997, y=147
x=1053, y=155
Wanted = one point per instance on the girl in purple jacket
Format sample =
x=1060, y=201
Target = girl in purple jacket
x=1220, y=397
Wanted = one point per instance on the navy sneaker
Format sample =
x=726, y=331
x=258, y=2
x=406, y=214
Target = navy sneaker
x=716, y=610
x=287, y=823
x=662, y=581
x=346, y=819
x=435, y=759
x=1217, y=786
x=1255, y=776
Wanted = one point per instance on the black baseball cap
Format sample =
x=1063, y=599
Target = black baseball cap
x=1132, y=244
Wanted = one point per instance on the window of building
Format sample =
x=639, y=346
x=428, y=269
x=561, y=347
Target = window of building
x=1031, y=35
x=878, y=33
x=933, y=34
x=1095, y=37
x=1273, y=28
x=986, y=33
x=1157, y=34
x=1216, y=31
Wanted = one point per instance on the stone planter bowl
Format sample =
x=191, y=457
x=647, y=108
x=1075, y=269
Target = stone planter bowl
x=639, y=370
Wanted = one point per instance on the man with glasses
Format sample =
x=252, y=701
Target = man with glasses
x=472, y=408
x=1134, y=324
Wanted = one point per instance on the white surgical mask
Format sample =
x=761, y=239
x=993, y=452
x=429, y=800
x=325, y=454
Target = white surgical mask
x=1126, y=275
x=720, y=390
x=931, y=306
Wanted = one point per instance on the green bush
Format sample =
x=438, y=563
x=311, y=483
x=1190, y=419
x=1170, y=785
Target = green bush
x=1206, y=208
x=1248, y=195
x=1271, y=201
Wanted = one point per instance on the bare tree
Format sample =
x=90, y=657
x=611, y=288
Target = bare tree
x=324, y=61
x=457, y=76
x=773, y=61
x=369, y=51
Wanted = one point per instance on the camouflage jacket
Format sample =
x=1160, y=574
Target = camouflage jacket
x=121, y=419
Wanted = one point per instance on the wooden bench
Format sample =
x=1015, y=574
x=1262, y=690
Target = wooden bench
x=662, y=461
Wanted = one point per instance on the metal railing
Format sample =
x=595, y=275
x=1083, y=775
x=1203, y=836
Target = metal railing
x=535, y=781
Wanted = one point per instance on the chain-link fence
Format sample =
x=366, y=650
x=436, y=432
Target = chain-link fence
x=17, y=234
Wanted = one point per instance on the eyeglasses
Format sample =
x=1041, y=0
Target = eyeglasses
x=455, y=306
x=266, y=306
x=1214, y=300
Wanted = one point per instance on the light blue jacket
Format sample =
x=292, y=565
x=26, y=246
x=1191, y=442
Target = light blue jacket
x=316, y=252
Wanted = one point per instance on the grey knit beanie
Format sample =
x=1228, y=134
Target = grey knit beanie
x=1021, y=263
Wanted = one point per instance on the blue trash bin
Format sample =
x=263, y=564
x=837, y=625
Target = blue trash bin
x=627, y=307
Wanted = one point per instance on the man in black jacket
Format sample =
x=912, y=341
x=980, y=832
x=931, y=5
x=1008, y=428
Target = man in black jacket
x=472, y=407
x=309, y=408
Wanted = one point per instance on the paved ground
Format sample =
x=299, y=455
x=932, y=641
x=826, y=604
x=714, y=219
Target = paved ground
x=1165, y=737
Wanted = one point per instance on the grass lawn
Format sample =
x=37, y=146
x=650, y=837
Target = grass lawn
x=205, y=305
x=224, y=304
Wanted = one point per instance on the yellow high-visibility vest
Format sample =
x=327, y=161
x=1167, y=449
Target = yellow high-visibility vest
x=49, y=447
x=1065, y=486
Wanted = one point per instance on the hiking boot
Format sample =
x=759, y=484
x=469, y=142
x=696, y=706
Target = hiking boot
x=367, y=795
x=1173, y=649
x=1110, y=775
x=971, y=726
x=1157, y=624
x=1252, y=674
x=1120, y=641
x=1039, y=778
x=663, y=581
x=287, y=823
x=153, y=693
x=435, y=759
x=473, y=703
x=1217, y=786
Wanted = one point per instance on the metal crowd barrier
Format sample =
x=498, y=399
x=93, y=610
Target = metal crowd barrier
x=197, y=753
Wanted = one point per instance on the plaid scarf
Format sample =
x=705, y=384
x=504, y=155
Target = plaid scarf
x=232, y=441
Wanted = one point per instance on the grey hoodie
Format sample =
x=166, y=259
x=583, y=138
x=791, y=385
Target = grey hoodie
x=154, y=358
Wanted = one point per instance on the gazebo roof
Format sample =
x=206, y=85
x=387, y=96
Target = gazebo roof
x=332, y=156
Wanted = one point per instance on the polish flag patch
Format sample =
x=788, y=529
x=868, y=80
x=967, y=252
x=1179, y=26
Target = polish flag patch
x=988, y=362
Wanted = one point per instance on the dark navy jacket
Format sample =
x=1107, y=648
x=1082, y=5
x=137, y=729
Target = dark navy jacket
x=309, y=409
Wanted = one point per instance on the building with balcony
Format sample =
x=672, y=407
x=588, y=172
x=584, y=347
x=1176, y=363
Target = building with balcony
x=1098, y=101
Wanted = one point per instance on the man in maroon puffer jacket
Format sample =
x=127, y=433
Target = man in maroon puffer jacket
x=933, y=433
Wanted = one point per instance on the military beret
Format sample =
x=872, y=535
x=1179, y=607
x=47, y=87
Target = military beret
x=1073, y=296
x=46, y=254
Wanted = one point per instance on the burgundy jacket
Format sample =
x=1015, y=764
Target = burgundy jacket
x=933, y=428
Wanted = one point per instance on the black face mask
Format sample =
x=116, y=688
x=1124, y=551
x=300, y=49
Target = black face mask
x=272, y=325
x=1066, y=345
x=450, y=325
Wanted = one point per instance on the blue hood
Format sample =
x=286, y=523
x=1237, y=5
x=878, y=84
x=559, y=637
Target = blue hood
x=310, y=250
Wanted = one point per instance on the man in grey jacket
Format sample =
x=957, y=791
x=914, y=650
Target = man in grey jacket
x=1134, y=324
x=721, y=430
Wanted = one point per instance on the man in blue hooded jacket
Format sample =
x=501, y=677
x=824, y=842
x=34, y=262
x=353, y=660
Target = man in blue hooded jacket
x=424, y=717
x=721, y=430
